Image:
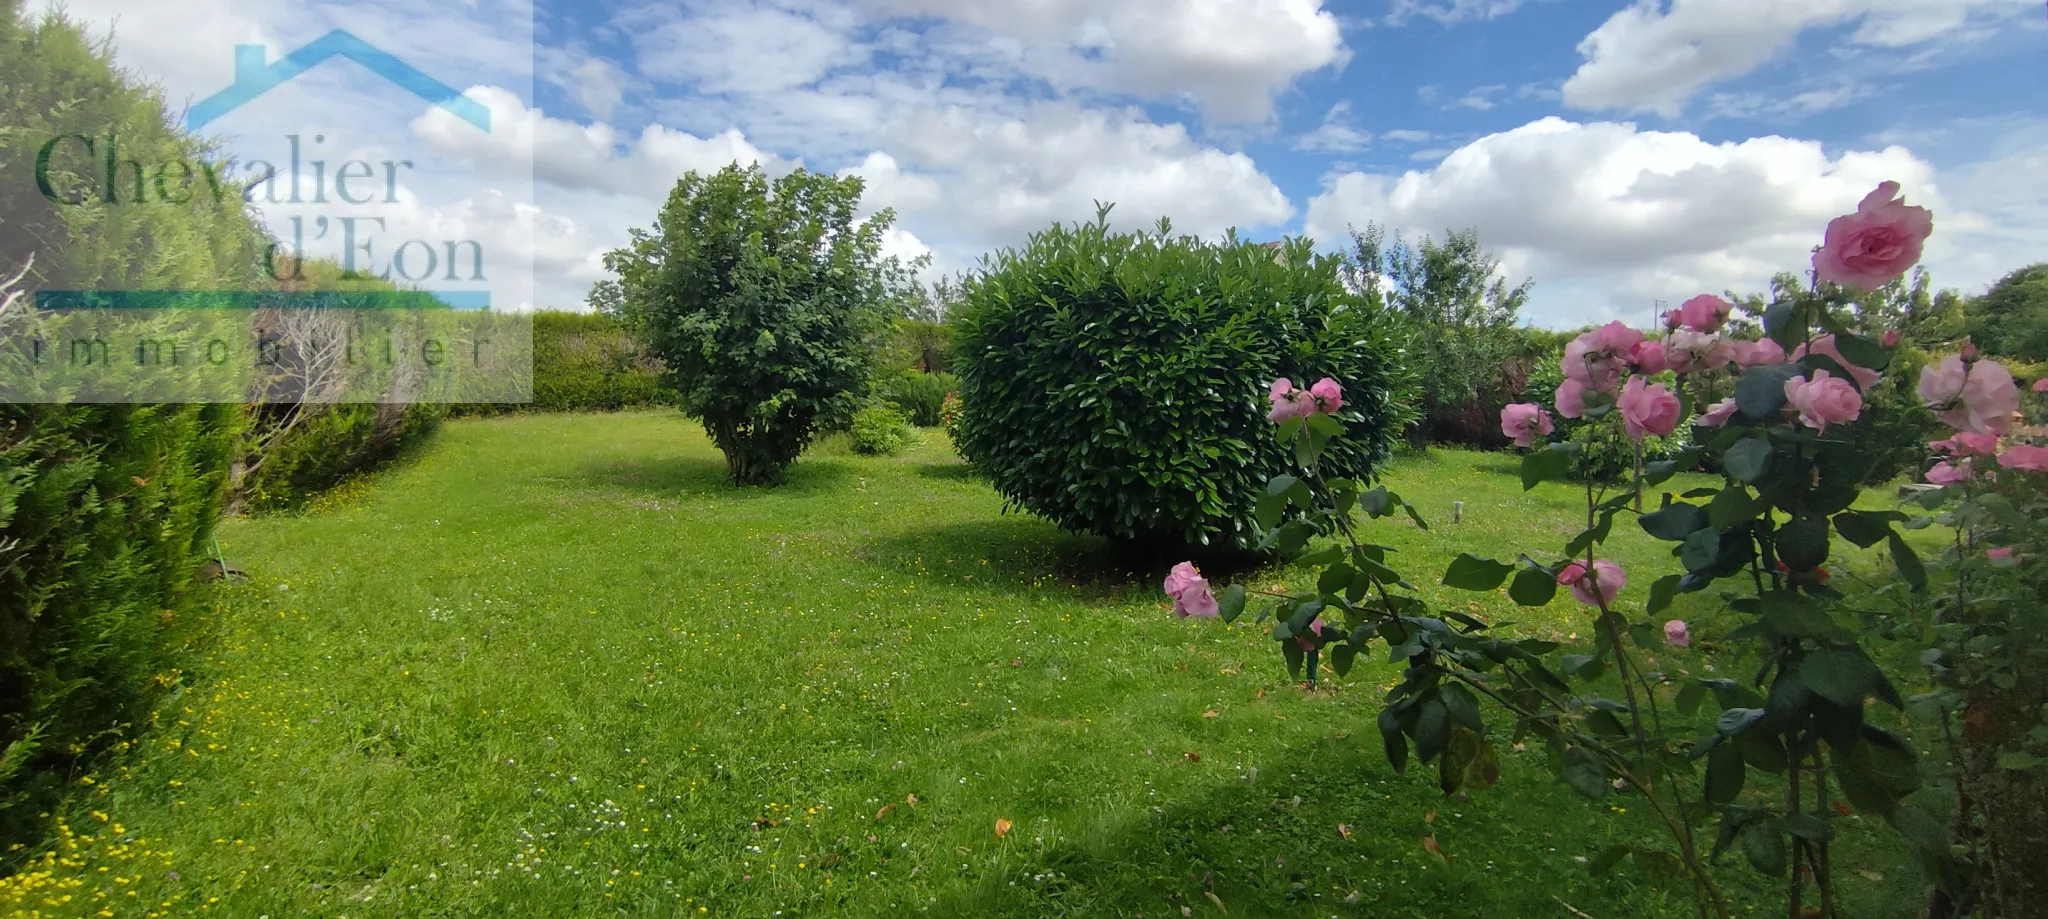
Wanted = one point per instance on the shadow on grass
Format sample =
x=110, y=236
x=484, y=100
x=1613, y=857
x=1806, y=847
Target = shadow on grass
x=1013, y=552
x=678, y=475
x=948, y=472
x=1326, y=829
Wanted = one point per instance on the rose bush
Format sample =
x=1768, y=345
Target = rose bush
x=1785, y=443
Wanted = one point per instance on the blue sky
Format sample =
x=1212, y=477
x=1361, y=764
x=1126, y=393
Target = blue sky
x=1618, y=153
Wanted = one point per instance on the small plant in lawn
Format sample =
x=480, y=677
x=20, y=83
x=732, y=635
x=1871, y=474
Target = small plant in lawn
x=880, y=430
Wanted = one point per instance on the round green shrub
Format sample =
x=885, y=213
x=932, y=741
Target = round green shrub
x=1116, y=384
x=920, y=395
x=880, y=430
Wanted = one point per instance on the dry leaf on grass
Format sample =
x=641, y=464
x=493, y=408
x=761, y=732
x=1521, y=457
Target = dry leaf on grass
x=1002, y=828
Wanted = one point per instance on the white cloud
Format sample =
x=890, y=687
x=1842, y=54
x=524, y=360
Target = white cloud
x=580, y=157
x=738, y=48
x=1621, y=216
x=1407, y=135
x=1005, y=177
x=1652, y=57
x=1230, y=56
x=1335, y=134
x=1449, y=12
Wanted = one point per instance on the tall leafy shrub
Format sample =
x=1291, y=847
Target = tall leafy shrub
x=586, y=362
x=1111, y=382
x=766, y=302
x=105, y=510
x=920, y=396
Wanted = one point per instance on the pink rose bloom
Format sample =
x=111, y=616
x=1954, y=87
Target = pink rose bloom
x=1647, y=409
x=1718, y=415
x=1687, y=351
x=2000, y=554
x=1289, y=402
x=1877, y=244
x=1328, y=395
x=1523, y=422
x=1677, y=635
x=1823, y=400
x=2027, y=458
x=1190, y=592
x=1599, y=370
x=1891, y=338
x=1571, y=399
x=1971, y=396
x=1305, y=643
x=1597, y=587
x=2041, y=385
x=1947, y=473
x=1825, y=346
x=1967, y=443
x=1674, y=320
x=1648, y=358
x=1705, y=313
x=1760, y=353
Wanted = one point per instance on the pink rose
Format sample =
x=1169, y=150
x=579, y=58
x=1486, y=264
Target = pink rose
x=1891, y=338
x=1648, y=358
x=1687, y=351
x=1967, y=443
x=1877, y=244
x=2000, y=554
x=1825, y=347
x=2028, y=458
x=1971, y=396
x=1823, y=400
x=1307, y=642
x=1760, y=353
x=1593, y=361
x=1947, y=473
x=1647, y=409
x=1677, y=635
x=2041, y=385
x=1328, y=395
x=1190, y=592
x=1705, y=313
x=1597, y=587
x=1289, y=402
x=1718, y=415
x=1523, y=422
x=1571, y=399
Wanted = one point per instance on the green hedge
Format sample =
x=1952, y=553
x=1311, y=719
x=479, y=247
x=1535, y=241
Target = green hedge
x=920, y=395
x=106, y=511
x=1117, y=384
x=586, y=362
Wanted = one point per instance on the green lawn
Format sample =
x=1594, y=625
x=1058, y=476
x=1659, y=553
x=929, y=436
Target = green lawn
x=553, y=667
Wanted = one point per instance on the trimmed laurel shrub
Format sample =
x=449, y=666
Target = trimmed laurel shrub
x=879, y=430
x=921, y=396
x=106, y=511
x=1117, y=384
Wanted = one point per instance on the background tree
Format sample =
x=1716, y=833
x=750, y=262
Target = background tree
x=1461, y=320
x=2011, y=318
x=766, y=302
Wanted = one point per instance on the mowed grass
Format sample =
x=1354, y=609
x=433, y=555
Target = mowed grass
x=555, y=667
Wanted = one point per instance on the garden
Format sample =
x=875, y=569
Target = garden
x=1131, y=574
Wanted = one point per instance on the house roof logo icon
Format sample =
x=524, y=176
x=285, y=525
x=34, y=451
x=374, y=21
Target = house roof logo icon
x=254, y=77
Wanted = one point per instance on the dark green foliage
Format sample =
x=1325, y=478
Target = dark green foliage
x=920, y=395
x=2011, y=319
x=765, y=301
x=1468, y=355
x=1116, y=383
x=879, y=430
x=330, y=444
x=586, y=362
x=106, y=511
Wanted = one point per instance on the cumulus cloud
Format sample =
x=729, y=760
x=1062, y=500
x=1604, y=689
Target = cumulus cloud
x=1653, y=56
x=1002, y=177
x=1230, y=56
x=1335, y=134
x=1633, y=215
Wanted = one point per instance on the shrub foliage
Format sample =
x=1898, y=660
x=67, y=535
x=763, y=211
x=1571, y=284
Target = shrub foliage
x=1112, y=382
x=106, y=511
x=879, y=430
x=921, y=396
x=765, y=301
